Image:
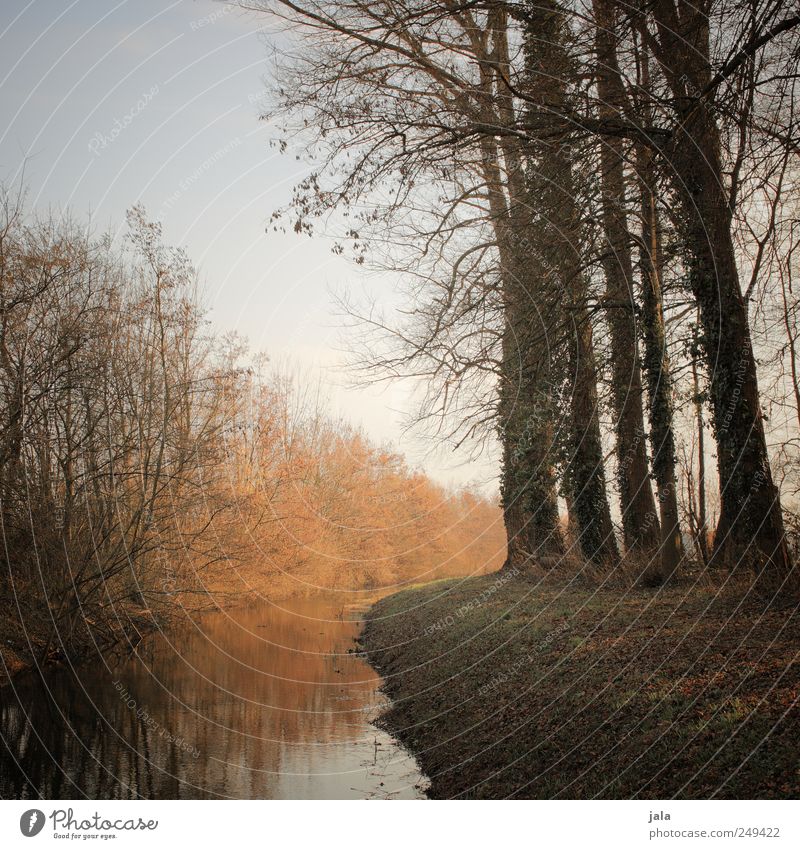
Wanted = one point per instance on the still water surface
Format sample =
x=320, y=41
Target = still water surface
x=264, y=703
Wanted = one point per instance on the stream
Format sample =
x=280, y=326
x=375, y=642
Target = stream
x=264, y=703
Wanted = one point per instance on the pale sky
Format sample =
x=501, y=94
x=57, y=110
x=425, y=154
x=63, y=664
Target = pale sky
x=108, y=103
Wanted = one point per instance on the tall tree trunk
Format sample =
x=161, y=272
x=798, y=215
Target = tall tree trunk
x=657, y=369
x=586, y=479
x=529, y=480
x=527, y=488
x=750, y=529
x=556, y=238
x=639, y=518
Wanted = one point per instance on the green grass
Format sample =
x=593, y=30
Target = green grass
x=544, y=690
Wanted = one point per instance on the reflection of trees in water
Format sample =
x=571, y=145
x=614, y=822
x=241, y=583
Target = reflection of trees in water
x=61, y=745
x=266, y=692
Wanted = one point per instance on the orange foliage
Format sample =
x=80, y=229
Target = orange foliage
x=323, y=506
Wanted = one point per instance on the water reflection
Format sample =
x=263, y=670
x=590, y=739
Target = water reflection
x=264, y=703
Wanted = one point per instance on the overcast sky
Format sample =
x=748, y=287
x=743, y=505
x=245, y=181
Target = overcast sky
x=108, y=103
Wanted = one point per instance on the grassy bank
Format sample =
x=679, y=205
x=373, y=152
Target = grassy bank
x=521, y=688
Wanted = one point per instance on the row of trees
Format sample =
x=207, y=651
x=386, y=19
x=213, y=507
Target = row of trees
x=333, y=510
x=111, y=421
x=144, y=463
x=591, y=201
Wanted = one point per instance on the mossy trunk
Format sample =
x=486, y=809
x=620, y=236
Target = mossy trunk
x=750, y=531
x=558, y=239
x=527, y=485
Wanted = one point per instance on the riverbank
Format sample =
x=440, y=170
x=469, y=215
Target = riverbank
x=507, y=687
x=30, y=640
